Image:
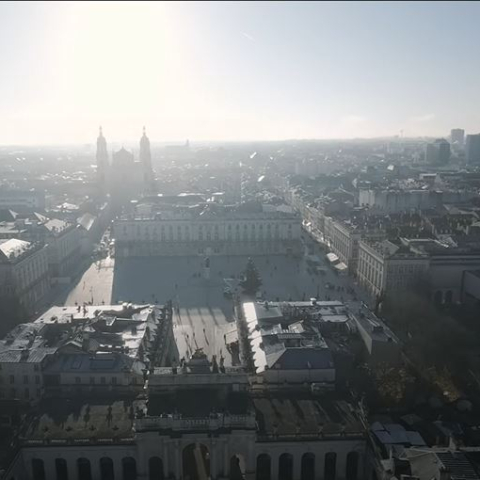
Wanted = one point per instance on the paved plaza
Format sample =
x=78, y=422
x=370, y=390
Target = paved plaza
x=182, y=280
x=203, y=316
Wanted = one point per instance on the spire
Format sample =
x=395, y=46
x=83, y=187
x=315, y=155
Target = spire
x=101, y=156
x=146, y=157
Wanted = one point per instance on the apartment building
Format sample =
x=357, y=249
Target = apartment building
x=24, y=274
x=387, y=267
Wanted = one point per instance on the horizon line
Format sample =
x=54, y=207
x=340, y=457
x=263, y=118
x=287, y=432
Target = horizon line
x=182, y=141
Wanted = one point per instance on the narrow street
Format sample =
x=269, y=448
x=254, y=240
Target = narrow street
x=345, y=282
x=95, y=285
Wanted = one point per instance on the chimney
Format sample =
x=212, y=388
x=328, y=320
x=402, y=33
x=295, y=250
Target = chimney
x=85, y=340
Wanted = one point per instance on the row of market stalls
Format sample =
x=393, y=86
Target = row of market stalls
x=335, y=262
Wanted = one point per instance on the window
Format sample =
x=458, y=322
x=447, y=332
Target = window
x=1, y=380
x=61, y=469
x=38, y=469
x=103, y=380
x=36, y=368
x=285, y=467
x=25, y=379
x=12, y=379
x=114, y=380
x=308, y=467
x=264, y=467
x=106, y=469
x=129, y=468
x=92, y=380
x=155, y=469
x=352, y=466
x=330, y=466
x=26, y=394
x=84, y=469
x=78, y=380
x=37, y=379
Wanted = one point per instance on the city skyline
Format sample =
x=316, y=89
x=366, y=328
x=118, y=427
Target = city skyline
x=218, y=72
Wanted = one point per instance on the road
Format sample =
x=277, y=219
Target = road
x=334, y=278
x=95, y=285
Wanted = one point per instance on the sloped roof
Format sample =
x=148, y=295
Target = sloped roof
x=86, y=221
x=83, y=362
x=426, y=463
x=35, y=355
x=56, y=225
x=13, y=248
x=7, y=215
x=301, y=358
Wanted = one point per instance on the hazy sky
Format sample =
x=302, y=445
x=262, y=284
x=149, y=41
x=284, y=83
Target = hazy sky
x=233, y=71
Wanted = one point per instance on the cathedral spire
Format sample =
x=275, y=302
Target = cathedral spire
x=102, y=157
x=146, y=158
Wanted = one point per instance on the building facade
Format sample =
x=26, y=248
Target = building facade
x=225, y=234
x=24, y=273
x=343, y=239
x=397, y=200
x=437, y=152
x=138, y=443
x=386, y=268
x=22, y=200
x=64, y=248
x=457, y=137
x=472, y=149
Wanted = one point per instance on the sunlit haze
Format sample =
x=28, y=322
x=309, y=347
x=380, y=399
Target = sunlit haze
x=237, y=71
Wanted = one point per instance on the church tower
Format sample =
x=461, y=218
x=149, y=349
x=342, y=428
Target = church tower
x=102, y=160
x=146, y=160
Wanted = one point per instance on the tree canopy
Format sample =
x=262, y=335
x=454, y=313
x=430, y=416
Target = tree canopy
x=251, y=281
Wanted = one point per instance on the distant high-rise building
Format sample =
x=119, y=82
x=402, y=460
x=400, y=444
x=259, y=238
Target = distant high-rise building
x=438, y=152
x=430, y=153
x=472, y=148
x=457, y=137
x=102, y=158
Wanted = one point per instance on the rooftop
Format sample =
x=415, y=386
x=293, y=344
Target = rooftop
x=427, y=463
x=94, y=329
x=207, y=400
x=77, y=420
x=13, y=249
x=375, y=327
x=305, y=415
x=57, y=226
x=286, y=335
x=99, y=362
